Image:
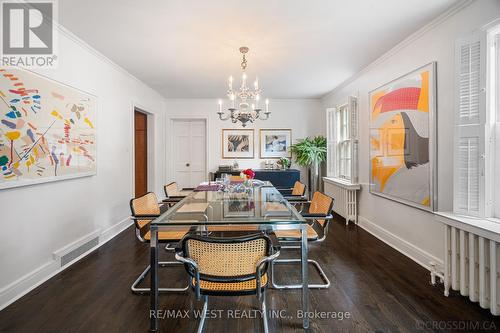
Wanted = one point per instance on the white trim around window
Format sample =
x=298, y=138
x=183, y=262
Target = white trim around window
x=342, y=141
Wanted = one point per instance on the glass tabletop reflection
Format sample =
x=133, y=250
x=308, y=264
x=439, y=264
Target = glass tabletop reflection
x=257, y=205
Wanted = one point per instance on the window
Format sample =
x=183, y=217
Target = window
x=477, y=125
x=342, y=141
x=495, y=87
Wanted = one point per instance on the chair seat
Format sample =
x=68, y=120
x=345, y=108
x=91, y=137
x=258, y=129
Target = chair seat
x=236, y=287
x=233, y=228
x=172, y=235
x=295, y=234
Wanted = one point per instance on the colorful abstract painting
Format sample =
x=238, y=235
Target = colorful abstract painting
x=402, y=136
x=47, y=130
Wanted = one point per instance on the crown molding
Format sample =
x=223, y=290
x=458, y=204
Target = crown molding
x=74, y=38
x=454, y=9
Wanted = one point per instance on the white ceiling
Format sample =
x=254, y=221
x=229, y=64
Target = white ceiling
x=298, y=48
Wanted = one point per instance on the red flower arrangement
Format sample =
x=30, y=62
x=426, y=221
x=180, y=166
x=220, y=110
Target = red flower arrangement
x=247, y=174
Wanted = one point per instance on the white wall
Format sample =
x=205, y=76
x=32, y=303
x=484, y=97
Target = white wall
x=409, y=227
x=40, y=219
x=303, y=116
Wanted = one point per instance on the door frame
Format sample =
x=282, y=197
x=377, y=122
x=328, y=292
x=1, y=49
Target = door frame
x=169, y=142
x=151, y=153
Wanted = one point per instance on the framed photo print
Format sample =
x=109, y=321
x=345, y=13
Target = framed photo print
x=237, y=143
x=275, y=143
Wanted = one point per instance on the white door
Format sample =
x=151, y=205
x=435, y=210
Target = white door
x=189, y=152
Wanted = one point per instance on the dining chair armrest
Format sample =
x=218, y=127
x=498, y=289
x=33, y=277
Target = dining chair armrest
x=164, y=206
x=316, y=216
x=302, y=203
x=325, y=216
x=295, y=198
x=194, y=266
x=274, y=241
x=143, y=217
x=285, y=191
x=258, y=268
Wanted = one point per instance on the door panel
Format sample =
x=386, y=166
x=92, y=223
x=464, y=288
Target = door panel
x=140, y=152
x=189, y=152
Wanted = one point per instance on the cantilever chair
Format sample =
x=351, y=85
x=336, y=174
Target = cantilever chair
x=228, y=267
x=298, y=192
x=145, y=209
x=173, y=194
x=235, y=179
x=319, y=212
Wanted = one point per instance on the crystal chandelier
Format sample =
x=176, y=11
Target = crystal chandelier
x=247, y=109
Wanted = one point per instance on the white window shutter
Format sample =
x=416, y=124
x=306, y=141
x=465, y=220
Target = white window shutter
x=352, y=103
x=331, y=143
x=470, y=126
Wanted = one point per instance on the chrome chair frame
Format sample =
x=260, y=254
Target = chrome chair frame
x=261, y=296
x=171, y=200
x=134, y=288
x=312, y=217
x=294, y=197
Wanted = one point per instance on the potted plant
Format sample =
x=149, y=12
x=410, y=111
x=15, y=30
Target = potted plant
x=284, y=163
x=310, y=153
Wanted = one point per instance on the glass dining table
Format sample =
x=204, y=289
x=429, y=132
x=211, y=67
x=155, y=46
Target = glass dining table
x=263, y=207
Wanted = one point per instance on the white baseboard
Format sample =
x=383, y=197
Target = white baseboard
x=33, y=279
x=114, y=230
x=421, y=257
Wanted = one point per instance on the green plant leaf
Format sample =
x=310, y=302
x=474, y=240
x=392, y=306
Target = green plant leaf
x=308, y=151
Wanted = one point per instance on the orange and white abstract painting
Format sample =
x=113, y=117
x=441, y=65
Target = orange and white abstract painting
x=401, y=138
x=47, y=130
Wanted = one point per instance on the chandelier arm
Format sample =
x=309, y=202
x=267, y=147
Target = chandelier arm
x=241, y=111
x=221, y=116
x=266, y=116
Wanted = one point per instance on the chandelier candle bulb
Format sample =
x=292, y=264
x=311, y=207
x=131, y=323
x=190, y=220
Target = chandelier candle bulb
x=242, y=98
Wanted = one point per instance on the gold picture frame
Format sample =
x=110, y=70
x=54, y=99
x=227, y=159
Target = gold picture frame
x=238, y=143
x=281, y=145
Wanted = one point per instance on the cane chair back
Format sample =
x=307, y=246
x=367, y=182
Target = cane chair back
x=144, y=205
x=227, y=259
x=170, y=189
x=298, y=188
x=320, y=204
x=235, y=179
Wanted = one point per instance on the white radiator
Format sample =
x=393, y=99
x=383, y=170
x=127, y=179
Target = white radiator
x=345, y=201
x=472, y=261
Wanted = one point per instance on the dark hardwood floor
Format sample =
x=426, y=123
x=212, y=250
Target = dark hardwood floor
x=381, y=289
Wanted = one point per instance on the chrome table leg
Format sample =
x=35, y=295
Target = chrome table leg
x=305, y=276
x=154, y=280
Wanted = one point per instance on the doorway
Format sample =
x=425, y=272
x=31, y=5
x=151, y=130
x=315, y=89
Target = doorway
x=189, y=145
x=141, y=152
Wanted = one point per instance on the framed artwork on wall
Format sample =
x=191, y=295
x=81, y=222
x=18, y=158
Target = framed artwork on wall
x=47, y=130
x=402, y=139
x=275, y=143
x=237, y=143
